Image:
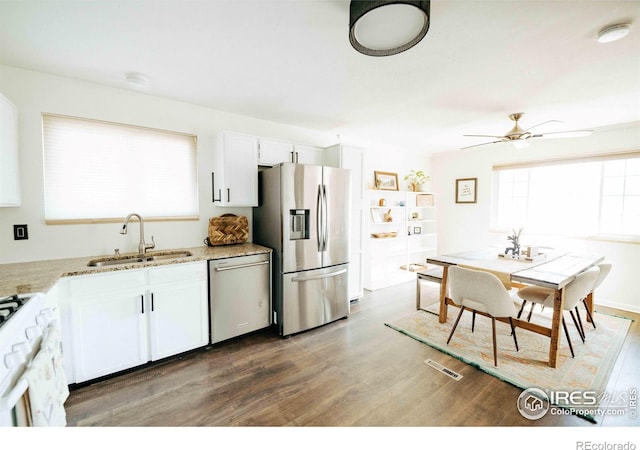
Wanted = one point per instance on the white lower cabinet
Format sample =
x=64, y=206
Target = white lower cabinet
x=119, y=320
x=179, y=311
x=109, y=334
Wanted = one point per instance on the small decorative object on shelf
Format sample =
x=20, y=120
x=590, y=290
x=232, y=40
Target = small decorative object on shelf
x=386, y=181
x=424, y=200
x=415, y=179
x=515, y=240
x=387, y=216
x=382, y=202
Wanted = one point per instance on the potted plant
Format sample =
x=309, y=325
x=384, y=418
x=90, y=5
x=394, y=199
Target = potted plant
x=416, y=179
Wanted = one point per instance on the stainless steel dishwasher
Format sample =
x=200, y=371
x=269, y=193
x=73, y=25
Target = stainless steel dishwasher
x=239, y=295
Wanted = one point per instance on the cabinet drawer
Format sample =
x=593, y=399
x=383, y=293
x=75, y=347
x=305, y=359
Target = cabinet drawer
x=107, y=282
x=178, y=273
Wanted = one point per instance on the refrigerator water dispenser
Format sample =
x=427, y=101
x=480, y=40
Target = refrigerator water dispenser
x=298, y=224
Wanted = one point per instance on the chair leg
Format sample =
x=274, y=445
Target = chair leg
x=533, y=305
x=524, y=302
x=578, y=327
x=455, y=324
x=473, y=321
x=495, y=349
x=513, y=332
x=566, y=333
x=589, y=313
x=584, y=335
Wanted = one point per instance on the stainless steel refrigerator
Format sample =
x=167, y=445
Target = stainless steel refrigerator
x=303, y=215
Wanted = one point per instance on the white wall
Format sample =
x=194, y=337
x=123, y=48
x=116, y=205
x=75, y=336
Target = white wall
x=467, y=226
x=34, y=93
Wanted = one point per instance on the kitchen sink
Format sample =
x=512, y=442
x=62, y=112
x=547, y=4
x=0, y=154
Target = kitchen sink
x=159, y=256
x=115, y=261
x=119, y=260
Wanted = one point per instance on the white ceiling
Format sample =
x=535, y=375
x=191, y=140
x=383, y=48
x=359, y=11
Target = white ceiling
x=290, y=61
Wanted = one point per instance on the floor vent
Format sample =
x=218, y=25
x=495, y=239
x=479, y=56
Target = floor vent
x=440, y=368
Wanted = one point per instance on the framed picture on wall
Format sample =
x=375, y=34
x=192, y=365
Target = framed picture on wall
x=466, y=190
x=386, y=181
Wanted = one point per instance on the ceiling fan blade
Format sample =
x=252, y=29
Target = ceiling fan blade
x=563, y=134
x=542, y=123
x=478, y=145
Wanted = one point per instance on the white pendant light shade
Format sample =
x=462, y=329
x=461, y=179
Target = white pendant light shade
x=383, y=28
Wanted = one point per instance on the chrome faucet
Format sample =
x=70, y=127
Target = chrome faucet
x=142, y=246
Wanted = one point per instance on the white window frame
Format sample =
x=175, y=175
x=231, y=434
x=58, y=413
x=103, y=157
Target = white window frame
x=98, y=171
x=602, y=200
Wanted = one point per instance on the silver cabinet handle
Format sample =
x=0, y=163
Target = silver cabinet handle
x=320, y=277
x=241, y=266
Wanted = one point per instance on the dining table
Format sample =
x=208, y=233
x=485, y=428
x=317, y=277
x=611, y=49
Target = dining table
x=553, y=270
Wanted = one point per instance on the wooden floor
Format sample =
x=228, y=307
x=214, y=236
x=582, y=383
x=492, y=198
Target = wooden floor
x=353, y=372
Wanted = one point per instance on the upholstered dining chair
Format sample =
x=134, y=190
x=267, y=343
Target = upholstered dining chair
x=574, y=292
x=605, y=268
x=481, y=292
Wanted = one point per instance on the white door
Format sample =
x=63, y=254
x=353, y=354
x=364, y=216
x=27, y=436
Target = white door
x=109, y=333
x=307, y=154
x=178, y=318
x=275, y=152
x=236, y=179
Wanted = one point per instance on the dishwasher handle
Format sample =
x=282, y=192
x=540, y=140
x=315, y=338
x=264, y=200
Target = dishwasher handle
x=241, y=266
x=320, y=277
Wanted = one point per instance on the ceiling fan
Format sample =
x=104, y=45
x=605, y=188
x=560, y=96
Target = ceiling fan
x=519, y=137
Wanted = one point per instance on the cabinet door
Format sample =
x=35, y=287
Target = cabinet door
x=9, y=179
x=275, y=152
x=235, y=177
x=109, y=333
x=179, y=303
x=179, y=318
x=306, y=154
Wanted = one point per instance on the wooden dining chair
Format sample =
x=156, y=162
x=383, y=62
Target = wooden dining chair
x=481, y=292
x=574, y=292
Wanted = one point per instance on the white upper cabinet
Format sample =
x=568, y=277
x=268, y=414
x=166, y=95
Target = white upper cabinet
x=235, y=172
x=9, y=173
x=307, y=154
x=274, y=152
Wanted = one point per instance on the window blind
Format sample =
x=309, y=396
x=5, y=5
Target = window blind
x=98, y=171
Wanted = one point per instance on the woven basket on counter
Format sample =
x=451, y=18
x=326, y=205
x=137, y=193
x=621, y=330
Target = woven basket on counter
x=228, y=229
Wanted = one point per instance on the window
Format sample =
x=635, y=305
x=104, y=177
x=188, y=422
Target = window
x=594, y=196
x=102, y=171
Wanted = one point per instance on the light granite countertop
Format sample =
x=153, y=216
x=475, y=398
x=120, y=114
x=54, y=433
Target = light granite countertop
x=40, y=276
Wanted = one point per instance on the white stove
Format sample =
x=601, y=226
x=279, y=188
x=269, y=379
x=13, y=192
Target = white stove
x=23, y=319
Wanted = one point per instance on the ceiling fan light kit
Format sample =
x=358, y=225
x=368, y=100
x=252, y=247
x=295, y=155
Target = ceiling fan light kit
x=518, y=136
x=384, y=28
x=614, y=32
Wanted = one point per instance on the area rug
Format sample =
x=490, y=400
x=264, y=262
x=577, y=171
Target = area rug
x=528, y=368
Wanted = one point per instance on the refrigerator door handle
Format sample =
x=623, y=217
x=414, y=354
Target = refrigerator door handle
x=325, y=218
x=320, y=220
x=320, y=277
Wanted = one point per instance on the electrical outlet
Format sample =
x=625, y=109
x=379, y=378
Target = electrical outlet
x=20, y=232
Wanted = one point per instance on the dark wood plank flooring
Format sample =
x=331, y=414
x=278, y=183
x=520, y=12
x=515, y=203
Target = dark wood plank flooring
x=354, y=372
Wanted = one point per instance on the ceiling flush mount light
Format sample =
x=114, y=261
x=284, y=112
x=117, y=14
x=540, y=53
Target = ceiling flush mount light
x=614, y=32
x=137, y=80
x=384, y=28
